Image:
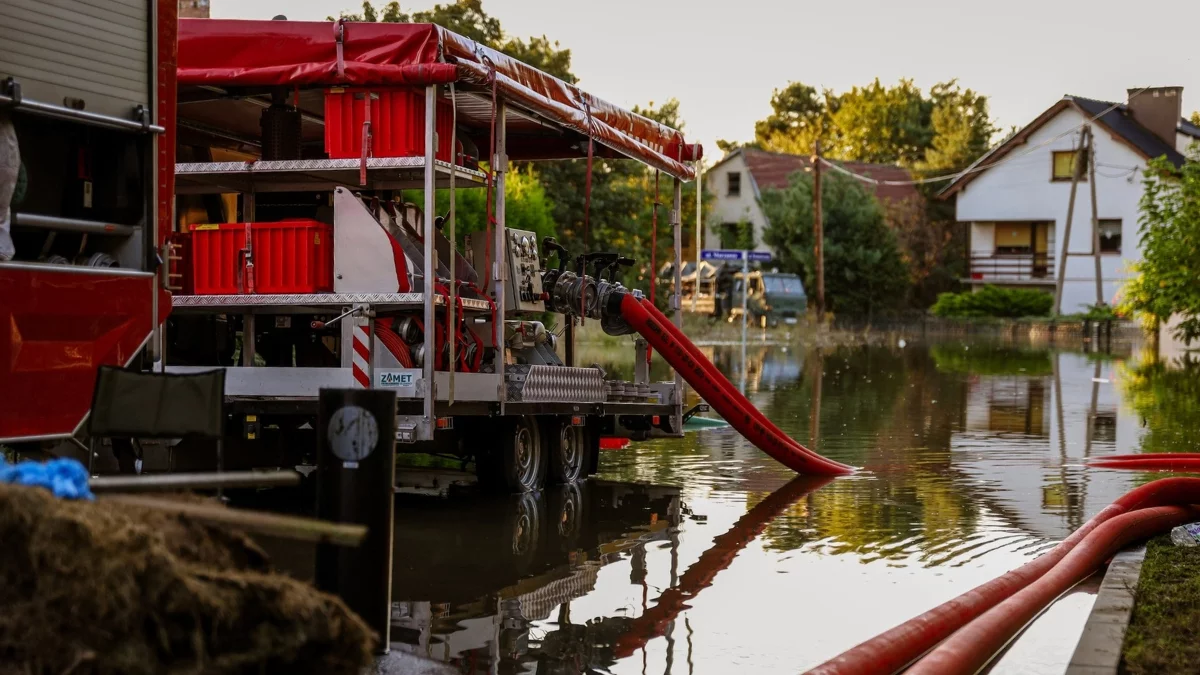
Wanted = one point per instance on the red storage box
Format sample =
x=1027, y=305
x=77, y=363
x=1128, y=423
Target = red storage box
x=290, y=256
x=397, y=123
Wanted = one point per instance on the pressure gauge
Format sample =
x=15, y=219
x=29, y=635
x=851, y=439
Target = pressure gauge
x=353, y=433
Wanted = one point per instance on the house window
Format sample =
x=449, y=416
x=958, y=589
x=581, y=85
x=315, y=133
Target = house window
x=1064, y=165
x=1110, y=236
x=733, y=184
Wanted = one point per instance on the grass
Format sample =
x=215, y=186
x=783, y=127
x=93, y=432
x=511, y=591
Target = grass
x=1164, y=631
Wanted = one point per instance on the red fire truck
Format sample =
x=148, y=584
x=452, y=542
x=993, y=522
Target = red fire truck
x=90, y=90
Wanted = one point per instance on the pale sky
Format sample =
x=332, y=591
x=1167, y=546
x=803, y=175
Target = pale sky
x=722, y=60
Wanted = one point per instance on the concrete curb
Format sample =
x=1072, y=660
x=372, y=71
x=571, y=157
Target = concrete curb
x=1099, y=649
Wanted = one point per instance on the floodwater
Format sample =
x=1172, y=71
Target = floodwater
x=702, y=555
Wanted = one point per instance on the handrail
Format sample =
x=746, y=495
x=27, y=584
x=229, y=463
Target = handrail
x=21, y=103
x=1012, y=266
x=71, y=224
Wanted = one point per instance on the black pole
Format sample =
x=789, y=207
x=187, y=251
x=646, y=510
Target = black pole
x=356, y=469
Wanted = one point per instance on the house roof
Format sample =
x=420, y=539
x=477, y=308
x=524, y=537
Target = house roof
x=1121, y=122
x=771, y=170
x=1115, y=117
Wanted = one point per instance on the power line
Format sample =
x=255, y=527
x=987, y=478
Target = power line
x=977, y=167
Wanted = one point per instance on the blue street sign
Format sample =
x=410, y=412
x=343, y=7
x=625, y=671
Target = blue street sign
x=760, y=256
x=720, y=254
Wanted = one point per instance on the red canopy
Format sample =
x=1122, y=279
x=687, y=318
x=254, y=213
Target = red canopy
x=223, y=52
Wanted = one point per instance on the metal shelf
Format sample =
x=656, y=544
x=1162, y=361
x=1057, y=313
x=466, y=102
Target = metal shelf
x=302, y=303
x=316, y=175
x=34, y=220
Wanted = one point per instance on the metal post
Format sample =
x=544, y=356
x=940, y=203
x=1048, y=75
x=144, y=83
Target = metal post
x=699, y=223
x=356, y=467
x=677, y=297
x=499, y=262
x=431, y=346
x=450, y=301
x=819, y=232
x=1091, y=147
x=1066, y=245
x=745, y=293
x=248, y=331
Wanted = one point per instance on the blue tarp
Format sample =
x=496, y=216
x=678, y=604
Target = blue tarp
x=66, y=478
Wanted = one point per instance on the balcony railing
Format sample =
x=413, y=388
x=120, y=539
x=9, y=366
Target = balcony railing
x=1011, y=266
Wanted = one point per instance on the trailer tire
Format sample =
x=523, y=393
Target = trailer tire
x=566, y=446
x=523, y=456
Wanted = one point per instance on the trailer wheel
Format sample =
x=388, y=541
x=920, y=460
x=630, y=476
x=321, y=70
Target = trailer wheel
x=524, y=458
x=568, y=451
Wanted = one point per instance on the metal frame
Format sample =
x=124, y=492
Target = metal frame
x=475, y=393
x=312, y=174
x=315, y=303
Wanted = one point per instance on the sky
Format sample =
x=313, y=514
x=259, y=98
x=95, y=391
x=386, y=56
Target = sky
x=722, y=60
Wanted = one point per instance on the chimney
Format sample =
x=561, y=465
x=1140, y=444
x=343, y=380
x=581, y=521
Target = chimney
x=1158, y=109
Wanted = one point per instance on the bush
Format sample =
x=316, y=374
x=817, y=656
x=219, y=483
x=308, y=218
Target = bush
x=992, y=301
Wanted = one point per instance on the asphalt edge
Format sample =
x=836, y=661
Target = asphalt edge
x=1100, y=647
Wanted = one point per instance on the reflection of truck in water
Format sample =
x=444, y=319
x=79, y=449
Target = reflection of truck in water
x=775, y=297
x=474, y=573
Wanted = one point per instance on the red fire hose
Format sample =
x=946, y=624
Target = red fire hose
x=1180, y=462
x=720, y=394
x=695, y=366
x=972, y=647
x=894, y=649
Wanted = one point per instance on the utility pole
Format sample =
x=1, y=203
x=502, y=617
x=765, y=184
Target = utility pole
x=818, y=231
x=1095, y=216
x=1076, y=174
x=699, y=220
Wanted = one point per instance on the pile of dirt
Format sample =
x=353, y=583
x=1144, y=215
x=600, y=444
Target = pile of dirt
x=100, y=587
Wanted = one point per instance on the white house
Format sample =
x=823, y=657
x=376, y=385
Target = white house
x=739, y=178
x=1016, y=206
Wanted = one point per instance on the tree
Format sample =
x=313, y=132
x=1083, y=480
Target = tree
x=962, y=130
x=1196, y=118
x=944, y=131
x=1164, y=280
x=932, y=254
x=800, y=116
x=525, y=206
x=864, y=272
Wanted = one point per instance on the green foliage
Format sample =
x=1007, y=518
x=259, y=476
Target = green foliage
x=1163, y=283
x=864, y=273
x=738, y=235
x=944, y=131
x=1160, y=639
x=1102, y=312
x=993, y=301
x=1166, y=397
x=525, y=203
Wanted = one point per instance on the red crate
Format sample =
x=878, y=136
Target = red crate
x=290, y=256
x=397, y=123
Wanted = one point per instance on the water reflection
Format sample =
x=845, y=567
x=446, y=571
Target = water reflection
x=973, y=462
x=486, y=584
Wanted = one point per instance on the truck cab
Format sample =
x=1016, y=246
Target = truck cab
x=774, y=297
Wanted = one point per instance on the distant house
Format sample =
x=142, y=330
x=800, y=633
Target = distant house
x=739, y=178
x=1014, y=210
